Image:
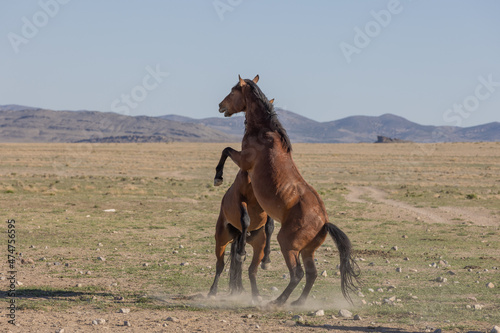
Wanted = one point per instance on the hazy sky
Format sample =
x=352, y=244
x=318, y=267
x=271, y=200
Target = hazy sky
x=432, y=62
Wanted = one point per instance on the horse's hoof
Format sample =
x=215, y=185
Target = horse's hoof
x=298, y=302
x=274, y=305
x=217, y=181
x=265, y=265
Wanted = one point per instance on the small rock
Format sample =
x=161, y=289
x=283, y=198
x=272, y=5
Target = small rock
x=406, y=259
x=451, y=273
x=289, y=323
x=88, y=273
x=127, y=323
x=298, y=318
x=184, y=264
x=357, y=317
x=28, y=261
x=495, y=329
x=380, y=290
x=79, y=285
x=490, y=285
x=118, y=298
x=394, y=248
x=146, y=264
x=19, y=283
x=181, y=246
x=319, y=313
x=443, y=263
x=175, y=251
x=404, y=236
x=61, y=330
x=345, y=313
x=371, y=290
x=324, y=274
x=101, y=258
x=124, y=310
x=477, y=306
x=438, y=331
x=413, y=270
x=390, y=300
x=399, y=269
x=441, y=279
x=371, y=264
x=99, y=321
x=274, y=289
x=173, y=319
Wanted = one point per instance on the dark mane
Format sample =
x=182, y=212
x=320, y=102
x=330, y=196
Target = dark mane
x=273, y=121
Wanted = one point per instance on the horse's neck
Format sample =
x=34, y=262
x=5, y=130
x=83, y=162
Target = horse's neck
x=256, y=118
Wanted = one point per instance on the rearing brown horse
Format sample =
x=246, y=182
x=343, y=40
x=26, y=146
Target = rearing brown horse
x=281, y=190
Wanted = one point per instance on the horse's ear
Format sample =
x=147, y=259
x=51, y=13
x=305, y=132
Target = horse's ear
x=271, y=101
x=242, y=82
x=256, y=78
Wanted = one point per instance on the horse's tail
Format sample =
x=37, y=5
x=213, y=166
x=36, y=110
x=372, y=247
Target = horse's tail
x=349, y=269
x=235, y=268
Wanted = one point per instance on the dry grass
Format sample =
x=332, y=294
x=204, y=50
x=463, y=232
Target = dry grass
x=164, y=198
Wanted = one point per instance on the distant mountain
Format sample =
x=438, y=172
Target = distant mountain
x=356, y=129
x=26, y=124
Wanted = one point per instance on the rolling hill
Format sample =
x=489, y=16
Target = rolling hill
x=356, y=129
x=24, y=124
x=29, y=124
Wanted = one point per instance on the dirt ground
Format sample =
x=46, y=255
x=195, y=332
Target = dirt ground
x=68, y=307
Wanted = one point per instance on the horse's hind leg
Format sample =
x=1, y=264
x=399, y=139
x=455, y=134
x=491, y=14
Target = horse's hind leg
x=293, y=263
x=311, y=274
x=269, y=227
x=257, y=240
x=307, y=255
x=222, y=237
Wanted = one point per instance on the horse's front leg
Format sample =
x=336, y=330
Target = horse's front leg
x=227, y=152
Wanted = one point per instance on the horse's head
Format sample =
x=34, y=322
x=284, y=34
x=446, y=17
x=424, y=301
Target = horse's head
x=236, y=102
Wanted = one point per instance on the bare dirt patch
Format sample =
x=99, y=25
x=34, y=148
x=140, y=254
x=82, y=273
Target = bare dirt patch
x=370, y=195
